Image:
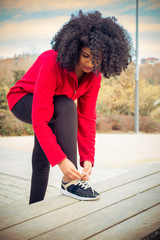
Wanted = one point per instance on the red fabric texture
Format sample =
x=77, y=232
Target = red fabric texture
x=45, y=79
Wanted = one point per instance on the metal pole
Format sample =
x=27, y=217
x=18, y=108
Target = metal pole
x=137, y=76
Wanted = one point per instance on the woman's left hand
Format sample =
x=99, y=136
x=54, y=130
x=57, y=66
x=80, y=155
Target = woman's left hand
x=86, y=170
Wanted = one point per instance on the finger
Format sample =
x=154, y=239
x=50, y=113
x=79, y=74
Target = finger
x=88, y=172
x=84, y=172
x=77, y=172
x=85, y=178
x=86, y=169
x=74, y=175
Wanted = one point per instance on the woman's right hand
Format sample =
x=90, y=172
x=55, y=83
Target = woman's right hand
x=69, y=170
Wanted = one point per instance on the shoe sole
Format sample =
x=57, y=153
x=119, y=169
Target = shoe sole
x=64, y=192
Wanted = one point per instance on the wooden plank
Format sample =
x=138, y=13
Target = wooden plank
x=80, y=209
x=19, y=215
x=10, y=218
x=96, y=222
x=134, y=228
x=138, y=173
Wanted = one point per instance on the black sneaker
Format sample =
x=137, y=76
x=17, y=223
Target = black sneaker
x=79, y=189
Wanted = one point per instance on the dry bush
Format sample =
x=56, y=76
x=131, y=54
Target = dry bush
x=148, y=94
x=117, y=95
x=149, y=126
x=11, y=126
x=155, y=114
x=150, y=72
x=124, y=123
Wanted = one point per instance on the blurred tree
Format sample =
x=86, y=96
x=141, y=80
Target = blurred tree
x=117, y=93
x=150, y=72
x=3, y=92
x=148, y=94
x=18, y=74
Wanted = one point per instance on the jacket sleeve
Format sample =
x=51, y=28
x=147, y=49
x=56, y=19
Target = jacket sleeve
x=43, y=109
x=86, y=107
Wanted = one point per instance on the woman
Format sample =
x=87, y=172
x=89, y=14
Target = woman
x=85, y=46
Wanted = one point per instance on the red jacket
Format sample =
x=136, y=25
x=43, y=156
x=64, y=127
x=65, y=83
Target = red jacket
x=45, y=79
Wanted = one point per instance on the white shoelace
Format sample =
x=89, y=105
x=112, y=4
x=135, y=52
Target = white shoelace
x=84, y=185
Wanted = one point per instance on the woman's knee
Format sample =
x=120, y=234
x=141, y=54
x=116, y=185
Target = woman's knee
x=64, y=105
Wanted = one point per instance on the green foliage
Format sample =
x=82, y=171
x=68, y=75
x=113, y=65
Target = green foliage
x=11, y=126
x=3, y=100
x=3, y=92
x=5, y=86
x=18, y=74
x=155, y=114
x=148, y=94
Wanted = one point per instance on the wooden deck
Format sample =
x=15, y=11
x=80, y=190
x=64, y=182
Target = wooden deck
x=129, y=209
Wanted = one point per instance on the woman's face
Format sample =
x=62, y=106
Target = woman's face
x=86, y=61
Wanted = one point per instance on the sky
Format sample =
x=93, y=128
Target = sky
x=28, y=26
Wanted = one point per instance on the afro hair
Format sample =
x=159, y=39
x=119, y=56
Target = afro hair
x=100, y=34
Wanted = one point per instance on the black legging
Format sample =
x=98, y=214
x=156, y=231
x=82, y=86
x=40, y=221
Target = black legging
x=63, y=125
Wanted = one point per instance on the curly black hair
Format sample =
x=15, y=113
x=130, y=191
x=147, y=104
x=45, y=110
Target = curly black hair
x=100, y=34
